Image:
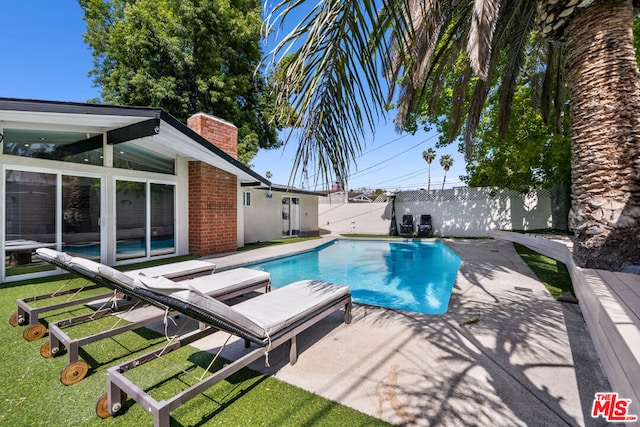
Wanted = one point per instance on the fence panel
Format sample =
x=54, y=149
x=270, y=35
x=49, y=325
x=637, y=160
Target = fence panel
x=457, y=212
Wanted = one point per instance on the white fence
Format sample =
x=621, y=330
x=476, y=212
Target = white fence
x=457, y=212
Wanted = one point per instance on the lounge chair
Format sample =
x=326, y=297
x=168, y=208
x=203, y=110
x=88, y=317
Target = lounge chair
x=268, y=320
x=28, y=313
x=406, y=227
x=222, y=286
x=425, y=228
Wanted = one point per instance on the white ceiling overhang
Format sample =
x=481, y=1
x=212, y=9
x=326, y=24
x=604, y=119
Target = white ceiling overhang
x=173, y=138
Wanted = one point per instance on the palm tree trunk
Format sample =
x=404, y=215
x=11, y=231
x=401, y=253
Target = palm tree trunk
x=429, y=179
x=602, y=79
x=444, y=179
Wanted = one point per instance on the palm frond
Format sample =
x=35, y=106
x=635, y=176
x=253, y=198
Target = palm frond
x=332, y=80
x=518, y=24
x=485, y=16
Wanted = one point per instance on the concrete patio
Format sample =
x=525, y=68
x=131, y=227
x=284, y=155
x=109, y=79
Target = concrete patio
x=528, y=360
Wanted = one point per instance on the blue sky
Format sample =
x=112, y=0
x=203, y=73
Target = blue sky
x=44, y=57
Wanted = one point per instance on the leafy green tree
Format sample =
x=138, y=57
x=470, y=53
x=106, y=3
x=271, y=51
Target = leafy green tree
x=341, y=47
x=185, y=56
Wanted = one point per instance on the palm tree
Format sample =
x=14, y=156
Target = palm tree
x=428, y=157
x=446, y=162
x=341, y=47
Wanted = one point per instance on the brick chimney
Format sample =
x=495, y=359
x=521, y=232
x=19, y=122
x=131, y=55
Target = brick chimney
x=220, y=133
x=213, y=199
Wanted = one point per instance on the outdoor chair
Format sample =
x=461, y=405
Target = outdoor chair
x=222, y=286
x=268, y=320
x=29, y=313
x=406, y=227
x=425, y=228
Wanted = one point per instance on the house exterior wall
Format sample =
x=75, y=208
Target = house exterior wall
x=213, y=193
x=263, y=219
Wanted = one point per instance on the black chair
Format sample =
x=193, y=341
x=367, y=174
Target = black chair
x=406, y=227
x=425, y=228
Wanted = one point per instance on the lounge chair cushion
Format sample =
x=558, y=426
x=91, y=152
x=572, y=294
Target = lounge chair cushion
x=270, y=313
x=51, y=254
x=284, y=306
x=176, y=270
x=105, y=271
x=213, y=285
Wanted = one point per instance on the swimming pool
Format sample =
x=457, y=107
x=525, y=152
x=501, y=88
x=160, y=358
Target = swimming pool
x=406, y=275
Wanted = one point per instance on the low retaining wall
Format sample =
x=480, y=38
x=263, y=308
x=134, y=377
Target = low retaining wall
x=610, y=305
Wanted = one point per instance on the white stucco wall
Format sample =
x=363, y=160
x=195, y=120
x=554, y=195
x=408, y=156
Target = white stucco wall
x=463, y=212
x=263, y=219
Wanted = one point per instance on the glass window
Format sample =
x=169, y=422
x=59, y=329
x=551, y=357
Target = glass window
x=81, y=216
x=290, y=216
x=247, y=198
x=128, y=155
x=30, y=212
x=162, y=219
x=132, y=200
x=131, y=220
x=75, y=147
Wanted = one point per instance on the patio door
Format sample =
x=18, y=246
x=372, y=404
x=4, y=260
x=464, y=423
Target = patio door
x=290, y=216
x=81, y=216
x=145, y=219
x=49, y=209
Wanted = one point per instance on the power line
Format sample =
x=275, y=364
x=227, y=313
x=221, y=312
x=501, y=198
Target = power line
x=393, y=157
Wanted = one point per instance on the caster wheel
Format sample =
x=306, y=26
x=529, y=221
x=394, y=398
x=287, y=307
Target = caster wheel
x=74, y=372
x=102, y=406
x=13, y=320
x=34, y=332
x=47, y=352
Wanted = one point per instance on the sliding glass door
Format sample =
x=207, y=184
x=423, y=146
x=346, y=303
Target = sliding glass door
x=52, y=210
x=145, y=219
x=81, y=216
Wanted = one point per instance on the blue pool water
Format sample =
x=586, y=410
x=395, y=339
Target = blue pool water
x=406, y=275
x=92, y=250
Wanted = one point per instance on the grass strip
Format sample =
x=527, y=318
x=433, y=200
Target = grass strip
x=553, y=274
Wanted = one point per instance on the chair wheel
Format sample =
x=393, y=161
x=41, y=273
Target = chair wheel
x=74, y=372
x=13, y=320
x=102, y=406
x=47, y=352
x=34, y=332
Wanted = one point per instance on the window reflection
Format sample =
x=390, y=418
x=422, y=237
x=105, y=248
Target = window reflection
x=128, y=155
x=30, y=201
x=75, y=147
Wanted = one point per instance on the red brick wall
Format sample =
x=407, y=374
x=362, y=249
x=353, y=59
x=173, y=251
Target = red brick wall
x=220, y=133
x=213, y=198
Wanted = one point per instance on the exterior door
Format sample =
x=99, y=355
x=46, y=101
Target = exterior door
x=49, y=209
x=290, y=216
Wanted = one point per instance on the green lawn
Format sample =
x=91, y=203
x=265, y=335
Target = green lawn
x=33, y=395
x=551, y=273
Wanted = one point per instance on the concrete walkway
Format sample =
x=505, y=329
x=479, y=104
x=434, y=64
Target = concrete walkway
x=527, y=360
